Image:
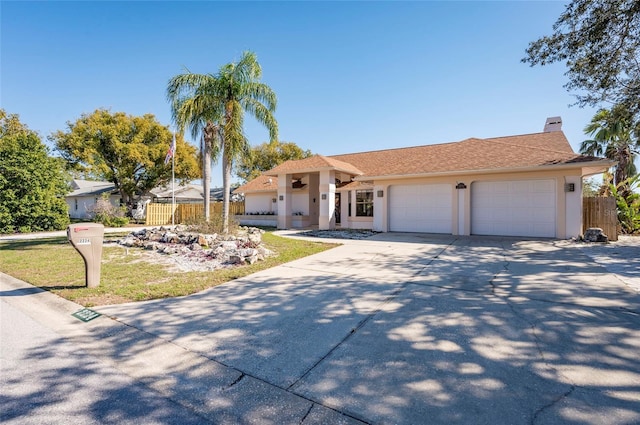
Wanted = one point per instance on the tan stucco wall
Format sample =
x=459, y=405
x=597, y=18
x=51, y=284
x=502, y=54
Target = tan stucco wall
x=568, y=204
x=260, y=202
x=300, y=202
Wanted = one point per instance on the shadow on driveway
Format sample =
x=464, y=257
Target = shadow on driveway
x=418, y=328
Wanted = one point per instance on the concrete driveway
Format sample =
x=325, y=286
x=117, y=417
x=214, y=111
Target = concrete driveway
x=399, y=328
x=404, y=329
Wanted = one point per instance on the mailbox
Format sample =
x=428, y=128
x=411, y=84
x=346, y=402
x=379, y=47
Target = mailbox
x=87, y=238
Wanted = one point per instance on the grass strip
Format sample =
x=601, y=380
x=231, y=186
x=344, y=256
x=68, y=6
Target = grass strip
x=52, y=264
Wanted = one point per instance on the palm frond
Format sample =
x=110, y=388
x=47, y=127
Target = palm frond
x=263, y=115
x=591, y=147
x=262, y=93
x=247, y=69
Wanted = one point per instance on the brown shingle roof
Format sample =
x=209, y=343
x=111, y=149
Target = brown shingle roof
x=314, y=163
x=522, y=151
x=261, y=183
x=356, y=185
x=495, y=154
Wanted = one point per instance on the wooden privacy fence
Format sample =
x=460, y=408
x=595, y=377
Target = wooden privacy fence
x=601, y=212
x=160, y=214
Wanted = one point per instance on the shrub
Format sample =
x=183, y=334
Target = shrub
x=629, y=205
x=32, y=183
x=107, y=214
x=214, y=225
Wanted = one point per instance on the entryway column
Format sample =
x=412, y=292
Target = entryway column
x=380, y=196
x=285, y=196
x=462, y=202
x=327, y=200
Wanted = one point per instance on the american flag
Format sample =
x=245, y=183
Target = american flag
x=172, y=151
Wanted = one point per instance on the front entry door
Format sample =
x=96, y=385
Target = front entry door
x=337, y=210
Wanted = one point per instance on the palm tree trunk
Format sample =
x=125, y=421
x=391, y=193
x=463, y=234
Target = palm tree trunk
x=623, y=157
x=206, y=180
x=226, y=185
x=207, y=137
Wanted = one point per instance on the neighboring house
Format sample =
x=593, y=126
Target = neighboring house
x=86, y=194
x=526, y=185
x=188, y=194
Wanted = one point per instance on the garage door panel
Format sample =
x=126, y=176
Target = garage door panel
x=514, y=208
x=420, y=208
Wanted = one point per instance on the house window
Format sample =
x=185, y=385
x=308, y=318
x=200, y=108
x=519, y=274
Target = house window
x=76, y=204
x=364, y=203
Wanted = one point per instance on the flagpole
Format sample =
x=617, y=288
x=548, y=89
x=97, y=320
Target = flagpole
x=173, y=182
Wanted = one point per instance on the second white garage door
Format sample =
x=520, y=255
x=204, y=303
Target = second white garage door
x=514, y=208
x=420, y=208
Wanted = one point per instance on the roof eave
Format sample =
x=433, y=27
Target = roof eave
x=598, y=168
x=238, y=192
x=313, y=170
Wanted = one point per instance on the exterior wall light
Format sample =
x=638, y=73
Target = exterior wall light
x=380, y=193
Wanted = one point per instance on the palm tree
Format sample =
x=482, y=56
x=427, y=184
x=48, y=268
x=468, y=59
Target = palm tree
x=613, y=137
x=241, y=91
x=213, y=106
x=194, y=106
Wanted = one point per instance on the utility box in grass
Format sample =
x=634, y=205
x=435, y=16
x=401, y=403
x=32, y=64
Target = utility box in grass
x=87, y=239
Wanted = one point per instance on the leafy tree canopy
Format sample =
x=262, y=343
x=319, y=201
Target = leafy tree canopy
x=10, y=124
x=32, y=183
x=128, y=151
x=600, y=43
x=266, y=156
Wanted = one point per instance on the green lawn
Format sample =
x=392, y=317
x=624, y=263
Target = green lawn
x=54, y=265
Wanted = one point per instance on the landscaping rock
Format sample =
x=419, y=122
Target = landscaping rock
x=229, y=245
x=169, y=237
x=152, y=246
x=236, y=259
x=595, y=234
x=199, y=252
x=129, y=241
x=155, y=237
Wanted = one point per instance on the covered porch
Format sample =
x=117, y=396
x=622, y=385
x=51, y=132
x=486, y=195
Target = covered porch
x=320, y=193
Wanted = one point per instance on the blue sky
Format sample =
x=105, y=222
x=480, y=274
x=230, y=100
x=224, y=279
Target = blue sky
x=349, y=76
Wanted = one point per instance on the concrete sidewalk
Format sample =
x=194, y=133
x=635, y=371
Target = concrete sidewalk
x=398, y=328
x=61, y=233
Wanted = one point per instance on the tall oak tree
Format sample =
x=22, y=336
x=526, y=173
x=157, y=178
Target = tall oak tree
x=127, y=150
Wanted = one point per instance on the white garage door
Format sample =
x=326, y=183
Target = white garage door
x=514, y=208
x=420, y=208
